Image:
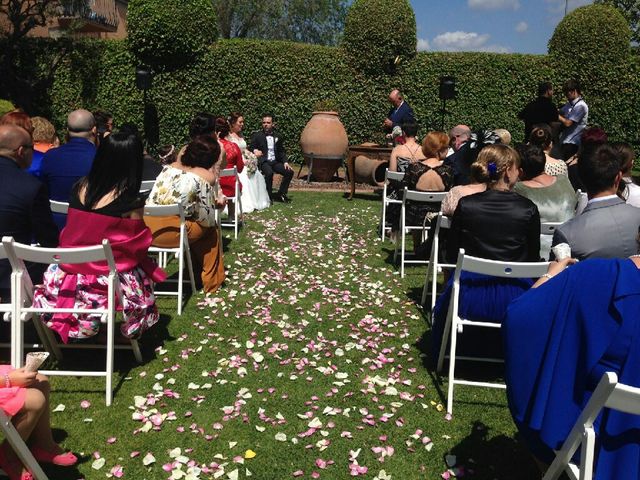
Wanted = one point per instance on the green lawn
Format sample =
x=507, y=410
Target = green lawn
x=313, y=354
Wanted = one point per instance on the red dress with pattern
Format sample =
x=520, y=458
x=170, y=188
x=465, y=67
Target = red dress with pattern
x=234, y=159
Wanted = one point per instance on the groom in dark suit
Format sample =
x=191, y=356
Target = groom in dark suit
x=269, y=148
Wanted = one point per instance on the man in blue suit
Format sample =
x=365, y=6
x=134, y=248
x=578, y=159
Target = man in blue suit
x=400, y=112
x=24, y=204
x=62, y=167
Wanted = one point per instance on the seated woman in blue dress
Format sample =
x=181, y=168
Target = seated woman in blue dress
x=559, y=340
x=497, y=224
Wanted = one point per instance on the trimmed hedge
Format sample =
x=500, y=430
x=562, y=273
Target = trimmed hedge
x=379, y=34
x=288, y=79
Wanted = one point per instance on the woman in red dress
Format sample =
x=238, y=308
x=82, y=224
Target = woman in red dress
x=234, y=159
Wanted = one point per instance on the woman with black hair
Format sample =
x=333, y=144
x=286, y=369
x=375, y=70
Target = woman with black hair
x=105, y=204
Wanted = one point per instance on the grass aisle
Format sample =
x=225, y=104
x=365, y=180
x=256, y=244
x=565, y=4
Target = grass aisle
x=307, y=364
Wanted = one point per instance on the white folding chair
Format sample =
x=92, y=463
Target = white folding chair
x=18, y=254
x=442, y=223
x=454, y=324
x=147, y=185
x=59, y=207
x=20, y=448
x=388, y=175
x=413, y=196
x=548, y=228
x=581, y=201
x=181, y=251
x=236, y=200
x=608, y=394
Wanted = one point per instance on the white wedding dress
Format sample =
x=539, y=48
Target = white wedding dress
x=254, y=188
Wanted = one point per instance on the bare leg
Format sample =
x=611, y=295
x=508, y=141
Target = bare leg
x=41, y=435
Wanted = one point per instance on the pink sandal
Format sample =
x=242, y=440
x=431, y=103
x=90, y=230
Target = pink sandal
x=11, y=467
x=62, y=459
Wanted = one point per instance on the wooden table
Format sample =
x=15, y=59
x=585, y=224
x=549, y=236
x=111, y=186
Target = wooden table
x=368, y=150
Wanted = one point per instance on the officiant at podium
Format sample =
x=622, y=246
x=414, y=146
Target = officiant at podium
x=400, y=112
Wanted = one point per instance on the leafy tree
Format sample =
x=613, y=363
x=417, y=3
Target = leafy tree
x=25, y=15
x=170, y=33
x=630, y=9
x=308, y=21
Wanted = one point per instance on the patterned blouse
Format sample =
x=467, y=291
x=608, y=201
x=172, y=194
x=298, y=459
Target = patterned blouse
x=555, y=167
x=196, y=194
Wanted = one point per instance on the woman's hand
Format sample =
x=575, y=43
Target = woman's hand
x=220, y=202
x=22, y=378
x=558, y=266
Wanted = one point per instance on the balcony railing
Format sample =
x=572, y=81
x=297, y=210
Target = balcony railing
x=90, y=15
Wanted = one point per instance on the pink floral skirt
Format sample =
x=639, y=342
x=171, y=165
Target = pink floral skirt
x=11, y=399
x=138, y=304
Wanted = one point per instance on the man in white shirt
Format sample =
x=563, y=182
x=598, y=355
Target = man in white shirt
x=268, y=146
x=574, y=116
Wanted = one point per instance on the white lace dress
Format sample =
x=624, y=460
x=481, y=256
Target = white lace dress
x=254, y=188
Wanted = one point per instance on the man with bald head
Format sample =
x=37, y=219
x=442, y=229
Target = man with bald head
x=400, y=113
x=62, y=167
x=24, y=204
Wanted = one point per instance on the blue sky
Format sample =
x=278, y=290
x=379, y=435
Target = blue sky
x=508, y=26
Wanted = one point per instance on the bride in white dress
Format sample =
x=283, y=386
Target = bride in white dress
x=254, y=188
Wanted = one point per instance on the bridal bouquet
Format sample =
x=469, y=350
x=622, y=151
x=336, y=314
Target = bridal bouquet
x=250, y=162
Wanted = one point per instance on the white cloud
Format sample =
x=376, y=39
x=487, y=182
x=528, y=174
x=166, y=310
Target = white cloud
x=522, y=27
x=423, y=44
x=493, y=4
x=466, y=42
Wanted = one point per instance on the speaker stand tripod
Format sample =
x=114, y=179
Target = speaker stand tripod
x=443, y=112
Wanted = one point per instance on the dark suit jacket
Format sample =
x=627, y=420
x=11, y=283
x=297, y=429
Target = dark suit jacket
x=404, y=114
x=496, y=225
x=259, y=142
x=605, y=229
x=540, y=110
x=460, y=162
x=62, y=167
x=24, y=212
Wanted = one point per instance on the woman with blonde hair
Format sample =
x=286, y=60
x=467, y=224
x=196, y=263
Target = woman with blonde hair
x=497, y=224
x=44, y=139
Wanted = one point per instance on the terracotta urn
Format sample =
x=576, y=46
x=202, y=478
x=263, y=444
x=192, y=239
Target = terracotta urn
x=325, y=139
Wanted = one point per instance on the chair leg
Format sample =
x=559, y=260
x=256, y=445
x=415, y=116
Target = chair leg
x=587, y=452
x=135, y=347
x=402, y=250
x=383, y=219
x=180, y=276
x=20, y=448
x=452, y=367
x=187, y=251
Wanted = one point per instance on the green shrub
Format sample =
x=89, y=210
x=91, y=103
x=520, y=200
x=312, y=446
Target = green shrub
x=592, y=45
x=379, y=34
x=170, y=33
x=5, y=106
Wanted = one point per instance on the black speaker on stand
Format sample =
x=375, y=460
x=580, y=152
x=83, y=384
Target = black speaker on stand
x=144, y=82
x=447, y=91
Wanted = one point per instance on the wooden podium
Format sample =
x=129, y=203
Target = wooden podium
x=368, y=150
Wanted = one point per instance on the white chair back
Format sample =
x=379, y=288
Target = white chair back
x=386, y=201
x=147, y=185
x=236, y=200
x=442, y=223
x=181, y=251
x=549, y=228
x=608, y=394
x=454, y=323
x=59, y=207
x=18, y=254
x=414, y=196
x=581, y=201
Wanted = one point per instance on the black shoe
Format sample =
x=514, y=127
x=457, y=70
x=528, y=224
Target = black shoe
x=283, y=198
